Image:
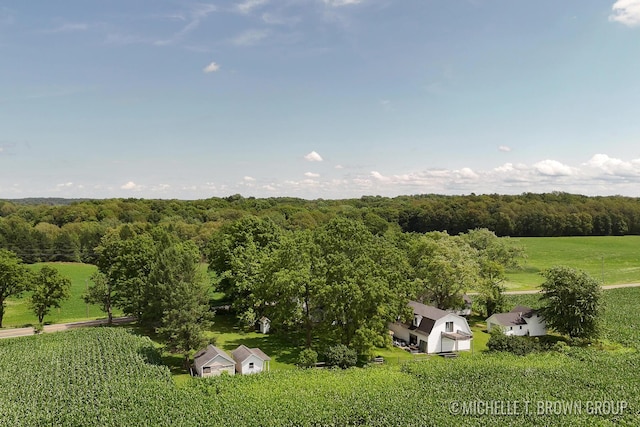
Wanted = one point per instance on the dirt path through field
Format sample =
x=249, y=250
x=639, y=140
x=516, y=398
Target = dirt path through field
x=23, y=332
x=536, y=291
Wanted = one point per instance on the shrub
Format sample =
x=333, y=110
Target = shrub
x=519, y=346
x=341, y=355
x=307, y=358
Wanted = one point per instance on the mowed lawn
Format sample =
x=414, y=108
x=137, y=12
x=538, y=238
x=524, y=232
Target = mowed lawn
x=18, y=314
x=611, y=259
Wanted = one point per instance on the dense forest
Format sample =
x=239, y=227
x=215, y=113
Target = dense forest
x=69, y=230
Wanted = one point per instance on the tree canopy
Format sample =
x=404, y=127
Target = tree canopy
x=572, y=302
x=14, y=278
x=48, y=289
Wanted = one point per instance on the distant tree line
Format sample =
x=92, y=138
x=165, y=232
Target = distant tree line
x=70, y=230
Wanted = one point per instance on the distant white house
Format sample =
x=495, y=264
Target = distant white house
x=520, y=321
x=250, y=360
x=212, y=361
x=433, y=330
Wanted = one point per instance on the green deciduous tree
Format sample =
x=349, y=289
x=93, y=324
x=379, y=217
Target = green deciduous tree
x=14, y=278
x=236, y=253
x=493, y=255
x=445, y=267
x=49, y=289
x=125, y=258
x=100, y=293
x=571, y=302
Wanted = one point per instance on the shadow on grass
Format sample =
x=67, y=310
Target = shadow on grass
x=284, y=348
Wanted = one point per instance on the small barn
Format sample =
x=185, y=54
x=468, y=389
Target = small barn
x=212, y=361
x=250, y=360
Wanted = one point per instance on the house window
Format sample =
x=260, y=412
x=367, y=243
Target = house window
x=251, y=365
x=206, y=370
x=520, y=327
x=449, y=327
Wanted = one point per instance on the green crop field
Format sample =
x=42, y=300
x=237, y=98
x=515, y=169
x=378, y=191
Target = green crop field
x=613, y=259
x=112, y=377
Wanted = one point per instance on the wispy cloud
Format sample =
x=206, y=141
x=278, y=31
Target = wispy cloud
x=340, y=3
x=312, y=175
x=250, y=37
x=626, y=12
x=504, y=148
x=193, y=18
x=277, y=19
x=248, y=5
x=211, y=68
x=313, y=157
x=68, y=28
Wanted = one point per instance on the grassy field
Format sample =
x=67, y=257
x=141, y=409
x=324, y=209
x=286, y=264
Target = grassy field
x=611, y=259
x=74, y=309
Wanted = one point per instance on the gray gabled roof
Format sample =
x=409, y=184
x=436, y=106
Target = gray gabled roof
x=429, y=316
x=209, y=353
x=243, y=352
x=515, y=317
x=427, y=311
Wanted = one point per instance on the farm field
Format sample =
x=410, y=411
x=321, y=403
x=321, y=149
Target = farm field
x=74, y=309
x=112, y=377
x=613, y=259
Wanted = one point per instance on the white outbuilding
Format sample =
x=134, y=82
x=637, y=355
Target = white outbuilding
x=212, y=361
x=521, y=321
x=250, y=360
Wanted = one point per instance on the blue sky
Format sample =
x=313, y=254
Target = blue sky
x=318, y=98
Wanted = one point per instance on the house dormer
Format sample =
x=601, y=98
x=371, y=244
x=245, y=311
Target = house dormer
x=416, y=320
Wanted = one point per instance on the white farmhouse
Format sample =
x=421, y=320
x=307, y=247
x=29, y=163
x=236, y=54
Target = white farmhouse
x=250, y=360
x=433, y=330
x=213, y=361
x=520, y=321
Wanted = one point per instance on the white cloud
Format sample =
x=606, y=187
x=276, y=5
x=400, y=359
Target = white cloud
x=553, y=168
x=339, y=3
x=211, y=68
x=130, y=186
x=338, y=167
x=248, y=5
x=312, y=175
x=249, y=179
x=250, y=37
x=313, y=157
x=66, y=184
x=626, y=12
x=504, y=148
x=613, y=167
